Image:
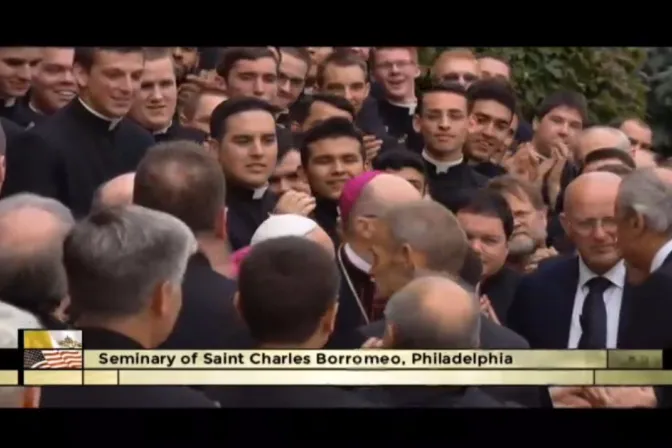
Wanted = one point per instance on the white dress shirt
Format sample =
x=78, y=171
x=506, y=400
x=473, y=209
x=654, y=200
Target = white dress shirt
x=613, y=298
x=660, y=256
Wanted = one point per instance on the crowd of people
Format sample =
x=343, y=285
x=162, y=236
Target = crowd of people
x=310, y=198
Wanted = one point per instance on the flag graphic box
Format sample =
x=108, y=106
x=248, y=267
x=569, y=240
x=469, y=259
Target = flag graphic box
x=52, y=349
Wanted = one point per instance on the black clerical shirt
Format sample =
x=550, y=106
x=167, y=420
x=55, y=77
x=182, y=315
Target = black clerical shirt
x=246, y=210
x=71, y=153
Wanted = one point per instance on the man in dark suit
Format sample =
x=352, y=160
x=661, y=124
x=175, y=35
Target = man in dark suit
x=88, y=142
x=644, y=227
x=488, y=222
x=126, y=299
x=420, y=318
x=579, y=301
x=435, y=244
x=180, y=179
x=286, y=309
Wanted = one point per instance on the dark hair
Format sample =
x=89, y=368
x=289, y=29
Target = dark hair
x=235, y=106
x=297, y=52
x=191, y=105
x=397, y=159
x=610, y=154
x=286, y=142
x=472, y=268
x=620, y=170
x=564, y=98
x=86, y=56
x=341, y=58
x=332, y=128
x=301, y=111
x=284, y=302
x=448, y=87
x=230, y=57
x=180, y=179
x=492, y=90
x=490, y=203
x=156, y=53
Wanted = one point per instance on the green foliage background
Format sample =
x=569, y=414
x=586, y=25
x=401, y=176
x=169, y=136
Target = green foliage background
x=617, y=81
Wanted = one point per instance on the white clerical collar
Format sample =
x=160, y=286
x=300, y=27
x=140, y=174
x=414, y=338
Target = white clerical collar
x=10, y=102
x=113, y=121
x=259, y=192
x=164, y=130
x=411, y=106
x=616, y=275
x=441, y=167
x=32, y=107
x=356, y=260
x=661, y=255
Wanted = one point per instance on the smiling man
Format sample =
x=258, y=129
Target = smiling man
x=53, y=86
x=244, y=141
x=89, y=141
x=154, y=107
x=16, y=70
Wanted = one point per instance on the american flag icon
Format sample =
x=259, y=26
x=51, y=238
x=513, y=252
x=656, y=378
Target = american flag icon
x=53, y=359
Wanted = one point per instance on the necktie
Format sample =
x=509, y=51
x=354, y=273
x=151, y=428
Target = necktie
x=594, y=316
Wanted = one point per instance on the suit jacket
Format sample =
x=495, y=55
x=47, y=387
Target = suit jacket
x=542, y=309
x=433, y=397
x=120, y=396
x=501, y=290
x=208, y=319
x=493, y=337
x=649, y=320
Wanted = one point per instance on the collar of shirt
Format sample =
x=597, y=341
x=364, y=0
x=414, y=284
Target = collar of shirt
x=356, y=260
x=164, y=130
x=113, y=121
x=441, y=167
x=616, y=275
x=661, y=255
x=410, y=106
x=32, y=107
x=9, y=102
x=259, y=192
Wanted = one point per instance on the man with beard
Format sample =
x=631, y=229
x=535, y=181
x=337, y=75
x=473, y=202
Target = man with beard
x=53, y=87
x=154, y=108
x=89, y=141
x=492, y=105
x=186, y=62
x=331, y=154
x=527, y=245
x=16, y=71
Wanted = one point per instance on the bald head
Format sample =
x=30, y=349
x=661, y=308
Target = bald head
x=115, y=192
x=32, y=230
x=433, y=312
x=381, y=193
x=599, y=137
x=590, y=188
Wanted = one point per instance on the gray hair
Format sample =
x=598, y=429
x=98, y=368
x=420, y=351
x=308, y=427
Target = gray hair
x=431, y=229
x=12, y=320
x=421, y=329
x=33, y=277
x=116, y=257
x=644, y=193
x=623, y=142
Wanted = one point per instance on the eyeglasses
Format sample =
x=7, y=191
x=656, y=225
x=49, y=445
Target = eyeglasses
x=588, y=226
x=467, y=78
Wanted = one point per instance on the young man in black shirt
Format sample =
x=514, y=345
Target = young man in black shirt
x=88, y=142
x=244, y=141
